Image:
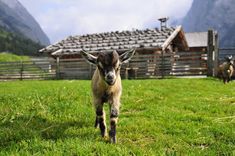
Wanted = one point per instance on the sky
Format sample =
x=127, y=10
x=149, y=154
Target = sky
x=62, y=18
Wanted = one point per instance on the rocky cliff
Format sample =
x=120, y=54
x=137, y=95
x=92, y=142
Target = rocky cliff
x=215, y=14
x=16, y=19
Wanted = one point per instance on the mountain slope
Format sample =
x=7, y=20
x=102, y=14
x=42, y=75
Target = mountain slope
x=216, y=14
x=15, y=18
x=10, y=42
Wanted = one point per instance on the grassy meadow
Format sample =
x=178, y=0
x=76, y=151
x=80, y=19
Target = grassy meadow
x=9, y=57
x=158, y=117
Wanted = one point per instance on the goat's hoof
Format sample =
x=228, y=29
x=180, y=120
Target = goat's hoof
x=113, y=140
x=106, y=138
x=104, y=134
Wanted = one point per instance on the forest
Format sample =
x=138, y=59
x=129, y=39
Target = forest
x=17, y=44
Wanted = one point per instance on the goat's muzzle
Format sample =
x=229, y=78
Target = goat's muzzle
x=110, y=78
x=110, y=81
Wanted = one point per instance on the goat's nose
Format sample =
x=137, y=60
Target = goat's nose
x=110, y=76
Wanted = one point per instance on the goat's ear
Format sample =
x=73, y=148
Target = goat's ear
x=89, y=57
x=126, y=56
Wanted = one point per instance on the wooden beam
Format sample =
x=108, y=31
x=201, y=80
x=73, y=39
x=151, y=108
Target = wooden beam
x=171, y=38
x=210, y=49
x=184, y=41
x=58, y=67
x=216, y=61
x=57, y=53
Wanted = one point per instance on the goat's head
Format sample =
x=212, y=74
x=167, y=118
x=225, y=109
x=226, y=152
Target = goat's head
x=109, y=63
x=229, y=59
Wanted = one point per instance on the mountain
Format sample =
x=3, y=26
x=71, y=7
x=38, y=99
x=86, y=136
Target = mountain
x=13, y=43
x=16, y=19
x=216, y=14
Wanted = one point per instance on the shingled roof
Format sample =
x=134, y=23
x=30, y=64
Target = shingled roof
x=120, y=41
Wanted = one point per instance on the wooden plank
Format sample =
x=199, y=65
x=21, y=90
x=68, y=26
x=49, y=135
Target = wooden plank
x=171, y=37
x=144, y=66
x=210, y=49
x=216, y=61
x=190, y=52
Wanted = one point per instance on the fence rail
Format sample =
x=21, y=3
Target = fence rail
x=140, y=67
x=223, y=52
x=40, y=69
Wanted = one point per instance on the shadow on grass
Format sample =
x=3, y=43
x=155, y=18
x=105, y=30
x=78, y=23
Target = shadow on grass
x=25, y=128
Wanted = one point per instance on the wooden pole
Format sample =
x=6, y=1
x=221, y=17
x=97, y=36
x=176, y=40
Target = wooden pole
x=21, y=71
x=162, y=64
x=58, y=67
x=216, y=61
x=210, y=49
x=90, y=71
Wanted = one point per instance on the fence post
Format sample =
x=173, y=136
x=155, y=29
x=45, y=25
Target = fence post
x=57, y=67
x=21, y=70
x=216, y=61
x=90, y=71
x=210, y=49
x=162, y=64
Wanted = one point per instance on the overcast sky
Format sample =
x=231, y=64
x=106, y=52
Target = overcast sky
x=62, y=18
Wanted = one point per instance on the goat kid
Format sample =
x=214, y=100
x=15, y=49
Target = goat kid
x=107, y=87
x=226, y=69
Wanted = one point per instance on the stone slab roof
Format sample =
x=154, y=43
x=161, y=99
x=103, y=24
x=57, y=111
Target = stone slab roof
x=118, y=40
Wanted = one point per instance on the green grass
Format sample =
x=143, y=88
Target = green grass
x=158, y=117
x=8, y=57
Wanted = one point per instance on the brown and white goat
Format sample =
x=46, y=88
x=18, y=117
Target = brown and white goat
x=107, y=87
x=226, y=69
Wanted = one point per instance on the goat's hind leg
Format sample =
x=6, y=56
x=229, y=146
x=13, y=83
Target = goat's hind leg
x=100, y=119
x=96, y=122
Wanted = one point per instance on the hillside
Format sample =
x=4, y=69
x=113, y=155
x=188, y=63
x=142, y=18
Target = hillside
x=8, y=57
x=16, y=19
x=216, y=14
x=16, y=44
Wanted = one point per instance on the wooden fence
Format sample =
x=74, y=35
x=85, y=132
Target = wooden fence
x=140, y=67
x=35, y=69
x=223, y=52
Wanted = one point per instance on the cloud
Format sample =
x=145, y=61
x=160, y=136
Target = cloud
x=61, y=18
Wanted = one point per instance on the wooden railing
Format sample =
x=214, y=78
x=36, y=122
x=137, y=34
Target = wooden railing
x=223, y=52
x=40, y=69
x=140, y=67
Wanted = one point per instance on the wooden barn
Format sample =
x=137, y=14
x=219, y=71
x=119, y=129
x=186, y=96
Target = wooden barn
x=152, y=47
x=195, y=56
x=151, y=40
x=197, y=41
x=205, y=45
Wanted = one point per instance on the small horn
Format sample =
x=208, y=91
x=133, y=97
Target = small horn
x=89, y=57
x=126, y=56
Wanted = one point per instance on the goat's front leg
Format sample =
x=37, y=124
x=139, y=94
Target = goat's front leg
x=114, y=112
x=100, y=118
